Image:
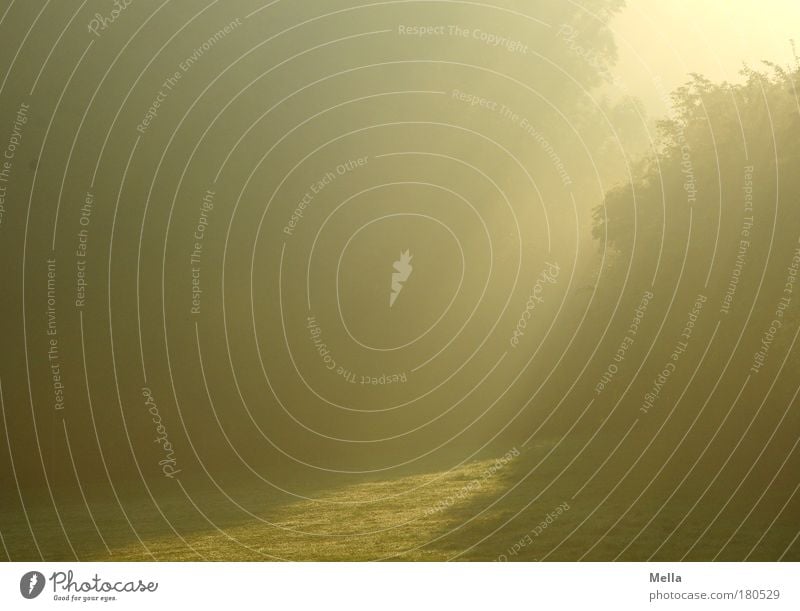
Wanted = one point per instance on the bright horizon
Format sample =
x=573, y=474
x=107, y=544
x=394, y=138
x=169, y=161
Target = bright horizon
x=670, y=40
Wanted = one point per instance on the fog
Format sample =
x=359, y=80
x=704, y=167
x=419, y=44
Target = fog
x=279, y=248
x=661, y=42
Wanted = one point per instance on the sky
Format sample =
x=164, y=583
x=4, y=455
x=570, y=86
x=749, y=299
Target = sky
x=663, y=41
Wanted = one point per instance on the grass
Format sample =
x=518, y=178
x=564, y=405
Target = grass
x=476, y=511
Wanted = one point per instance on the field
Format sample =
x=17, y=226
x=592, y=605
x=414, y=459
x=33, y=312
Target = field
x=509, y=508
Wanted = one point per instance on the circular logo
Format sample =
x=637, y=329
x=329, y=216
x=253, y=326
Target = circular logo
x=31, y=584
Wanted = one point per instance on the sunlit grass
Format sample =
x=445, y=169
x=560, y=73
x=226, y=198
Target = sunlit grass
x=471, y=512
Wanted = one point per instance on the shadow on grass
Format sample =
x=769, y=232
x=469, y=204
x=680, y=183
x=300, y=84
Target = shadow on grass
x=521, y=505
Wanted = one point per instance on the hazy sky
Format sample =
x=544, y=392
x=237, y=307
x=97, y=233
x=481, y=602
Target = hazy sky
x=670, y=38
